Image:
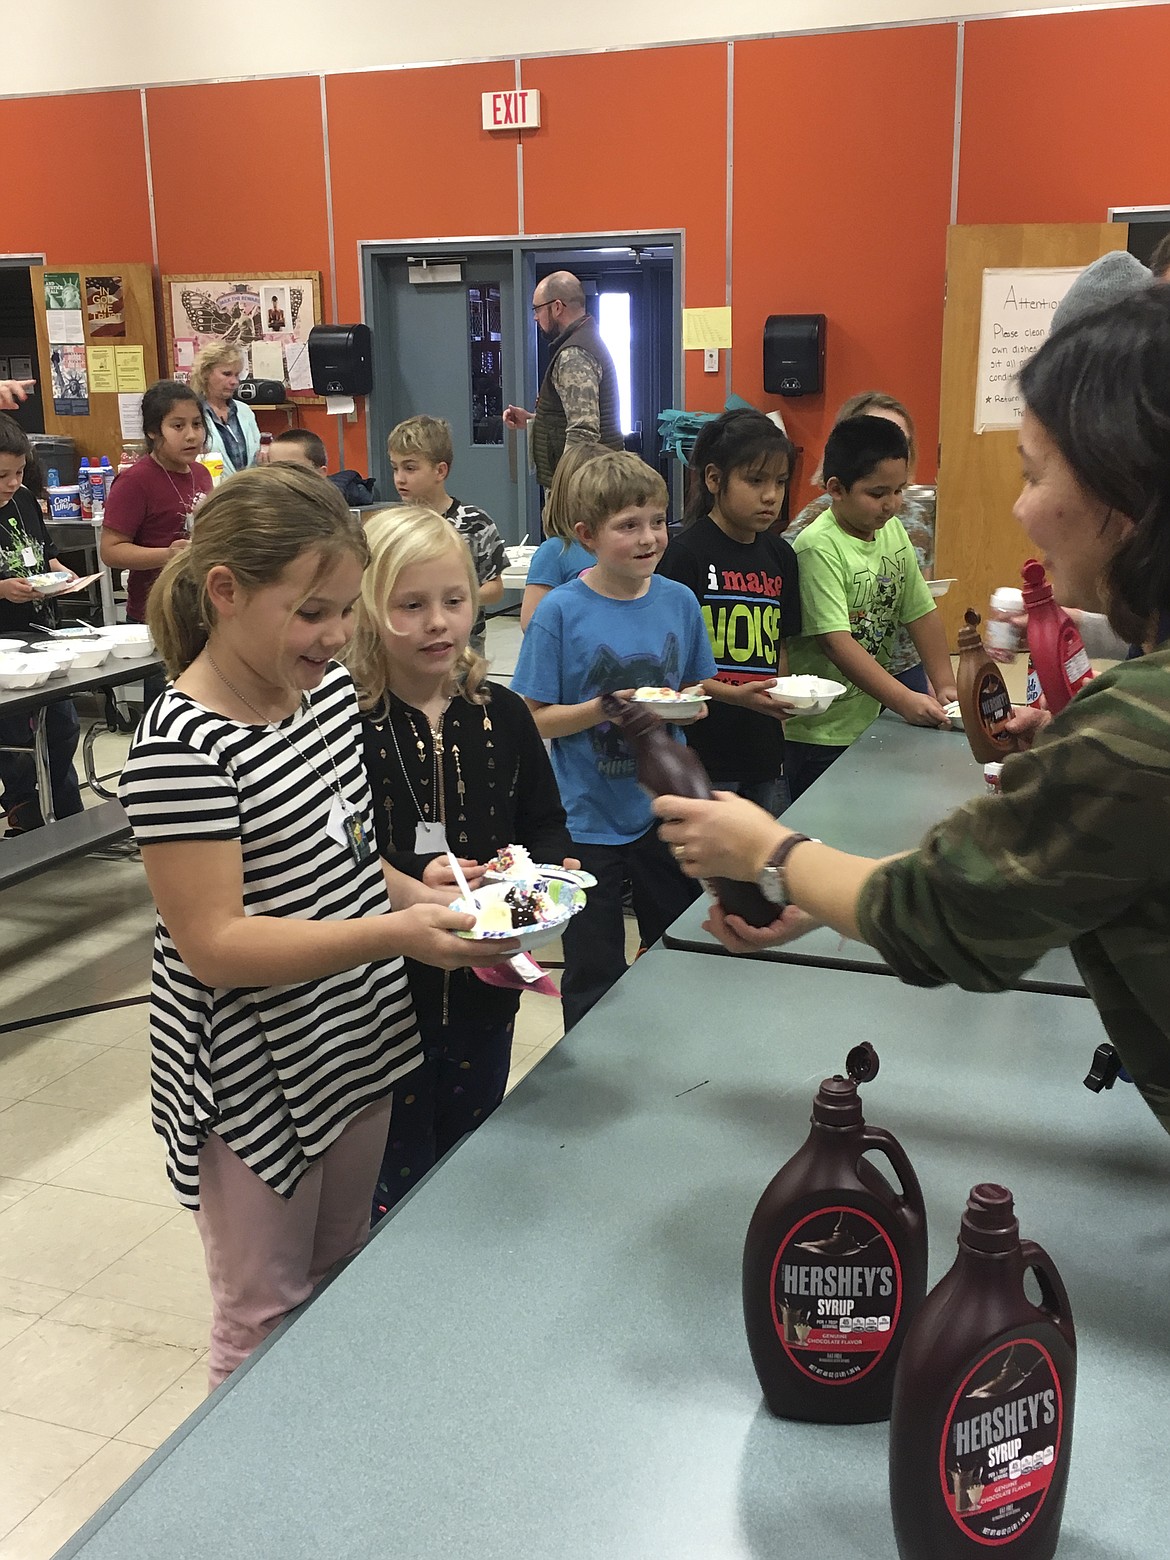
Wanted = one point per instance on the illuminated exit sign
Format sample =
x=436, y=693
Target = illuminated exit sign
x=511, y=110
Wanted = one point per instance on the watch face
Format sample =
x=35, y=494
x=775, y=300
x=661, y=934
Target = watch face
x=769, y=884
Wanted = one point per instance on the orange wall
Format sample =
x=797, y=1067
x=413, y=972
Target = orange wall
x=841, y=158
x=840, y=207
x=1065, y=116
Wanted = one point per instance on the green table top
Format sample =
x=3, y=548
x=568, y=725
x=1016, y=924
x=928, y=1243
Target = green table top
x=540, y=1355
x=880, y=798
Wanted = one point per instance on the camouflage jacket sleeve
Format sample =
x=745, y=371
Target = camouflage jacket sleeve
x=1078, y=844
x=577, y=378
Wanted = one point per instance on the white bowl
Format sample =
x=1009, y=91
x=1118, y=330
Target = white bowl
x=679, y=706
x=567, y=897
x=62, y=657
x=810, y=695
x=130, y=641
x=47, y=581
x=90, y=653
x=24, y=671
x=519, y=554
x=939, y=587
x=954, y=715
x=16, y=646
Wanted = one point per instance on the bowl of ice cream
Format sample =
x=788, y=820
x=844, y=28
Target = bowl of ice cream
x=809, y=695
x=939, y=587
x=530, y=914
x=672, y=704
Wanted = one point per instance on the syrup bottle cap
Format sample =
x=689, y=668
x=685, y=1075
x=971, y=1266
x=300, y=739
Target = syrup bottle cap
x=969, y=635
x=838, y=1104
x=1036, y=586
x=989, y=1222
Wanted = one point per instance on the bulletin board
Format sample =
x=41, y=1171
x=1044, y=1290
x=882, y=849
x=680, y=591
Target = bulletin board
x=97, y=351
x=267, y=317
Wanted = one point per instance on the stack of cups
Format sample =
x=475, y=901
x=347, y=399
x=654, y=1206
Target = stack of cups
x=999, y=634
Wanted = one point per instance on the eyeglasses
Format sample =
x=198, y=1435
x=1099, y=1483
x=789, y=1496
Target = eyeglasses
x=547, y=304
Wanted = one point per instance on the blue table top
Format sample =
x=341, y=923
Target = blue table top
x=541, y=1353
x=877, y=799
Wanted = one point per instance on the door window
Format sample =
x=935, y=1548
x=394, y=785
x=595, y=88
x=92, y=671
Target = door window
x=487, y=368
x=613, y=322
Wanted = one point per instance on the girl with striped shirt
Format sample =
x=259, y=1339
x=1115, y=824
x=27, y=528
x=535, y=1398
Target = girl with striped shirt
x=280, y=1013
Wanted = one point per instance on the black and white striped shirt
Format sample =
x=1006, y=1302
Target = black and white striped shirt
x=276, y=1071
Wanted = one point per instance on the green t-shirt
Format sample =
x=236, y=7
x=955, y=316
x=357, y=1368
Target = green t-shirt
x=867, y=589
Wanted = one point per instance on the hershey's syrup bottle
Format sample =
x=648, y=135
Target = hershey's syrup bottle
x=666, y=768
x=981, y=1431
x=983, y=697
x=834, y=1266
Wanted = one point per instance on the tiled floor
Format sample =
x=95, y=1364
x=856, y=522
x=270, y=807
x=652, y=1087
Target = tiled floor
x=103, y=1297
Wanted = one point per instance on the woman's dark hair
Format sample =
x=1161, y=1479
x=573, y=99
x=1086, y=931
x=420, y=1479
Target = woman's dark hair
x=1101, y=388
x=161, y=398
x=13, y=439
x=743, y=440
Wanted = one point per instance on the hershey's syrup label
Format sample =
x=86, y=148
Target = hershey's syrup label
x=836, y=1294
x=1001, y=1443
x=995, y=706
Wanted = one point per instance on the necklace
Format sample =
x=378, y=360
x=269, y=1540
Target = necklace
x=352, y=822
x=186, y=505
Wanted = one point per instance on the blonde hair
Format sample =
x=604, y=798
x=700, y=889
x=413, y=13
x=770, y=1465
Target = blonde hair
x=399, y=539
x=603, y=487
x=558, y=514
x=868, y=404
x=429, y=437
x=255, y=524
x=214, y=355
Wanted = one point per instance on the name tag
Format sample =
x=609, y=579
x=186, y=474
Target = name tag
x=348, y=828
x=429, y=839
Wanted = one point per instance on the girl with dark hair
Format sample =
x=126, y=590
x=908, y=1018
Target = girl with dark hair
x=1074, y=851
x=745, y=579
x=151, y=507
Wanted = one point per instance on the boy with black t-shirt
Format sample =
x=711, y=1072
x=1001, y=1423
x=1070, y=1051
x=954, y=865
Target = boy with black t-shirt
x=25, y=549
x=745, y=578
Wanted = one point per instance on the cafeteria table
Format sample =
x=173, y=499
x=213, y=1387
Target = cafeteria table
x=877, y=799
x=541, y=1352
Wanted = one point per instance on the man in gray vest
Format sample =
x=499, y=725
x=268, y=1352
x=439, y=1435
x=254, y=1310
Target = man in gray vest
x=578, y=398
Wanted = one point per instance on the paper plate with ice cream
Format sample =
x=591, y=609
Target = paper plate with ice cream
x=513, y=864
x=672, y=704
x=530, y=913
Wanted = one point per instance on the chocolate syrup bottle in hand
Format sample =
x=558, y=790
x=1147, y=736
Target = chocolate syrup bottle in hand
x=983, y=697
x=834, y=1265
x=666, y=768
x=981, y=1430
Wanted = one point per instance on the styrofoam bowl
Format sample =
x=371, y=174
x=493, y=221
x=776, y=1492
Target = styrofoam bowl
x=939, y=587
x=62, y=657
x=519, y=554
x=954, y=715
x=15, y=646
x=567, y=896
x=24, y=671
x=130, y=642
x=809, y=695
x=48, y=581
x=90, y=653
x=684, y=706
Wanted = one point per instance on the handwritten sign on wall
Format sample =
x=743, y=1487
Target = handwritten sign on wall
x=1017, y=311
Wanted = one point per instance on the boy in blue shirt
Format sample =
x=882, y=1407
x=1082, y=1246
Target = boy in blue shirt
x=616, y=628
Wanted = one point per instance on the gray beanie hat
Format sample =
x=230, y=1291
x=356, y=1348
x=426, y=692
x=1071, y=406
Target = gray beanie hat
x=1114, y=276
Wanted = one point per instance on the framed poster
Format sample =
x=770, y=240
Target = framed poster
x=268, y=317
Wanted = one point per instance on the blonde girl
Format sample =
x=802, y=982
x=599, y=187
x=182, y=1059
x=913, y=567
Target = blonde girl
x=280, y=1014
x=561, y=557
x=454, y=761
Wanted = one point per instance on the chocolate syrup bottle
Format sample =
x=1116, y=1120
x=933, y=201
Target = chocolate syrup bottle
x=834, y=1266
x=981, y=1431
x=1055, y=646
x=983, y=697
x=666, y=768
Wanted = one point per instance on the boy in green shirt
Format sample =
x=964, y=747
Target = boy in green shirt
x=860, y=581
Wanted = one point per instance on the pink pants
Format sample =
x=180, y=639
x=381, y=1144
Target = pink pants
x=266, y=1253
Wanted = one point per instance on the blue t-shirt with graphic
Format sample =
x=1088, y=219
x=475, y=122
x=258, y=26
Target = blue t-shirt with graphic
x=553, y=563
x=580, y=644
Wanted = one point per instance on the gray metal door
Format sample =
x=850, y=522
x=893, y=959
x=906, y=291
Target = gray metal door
x=448, y=349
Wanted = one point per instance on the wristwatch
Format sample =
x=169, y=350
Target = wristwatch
x=771, y=881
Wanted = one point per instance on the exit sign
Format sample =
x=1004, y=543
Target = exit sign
x=511, y=110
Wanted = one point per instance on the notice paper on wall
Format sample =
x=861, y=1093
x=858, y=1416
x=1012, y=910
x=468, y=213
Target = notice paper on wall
x=130, y=416
x=70, y=380
x=1017, y=309
x=706, y=328
x=103, y=374
x=131, y=369
x=300, y=375
x=267, y=360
